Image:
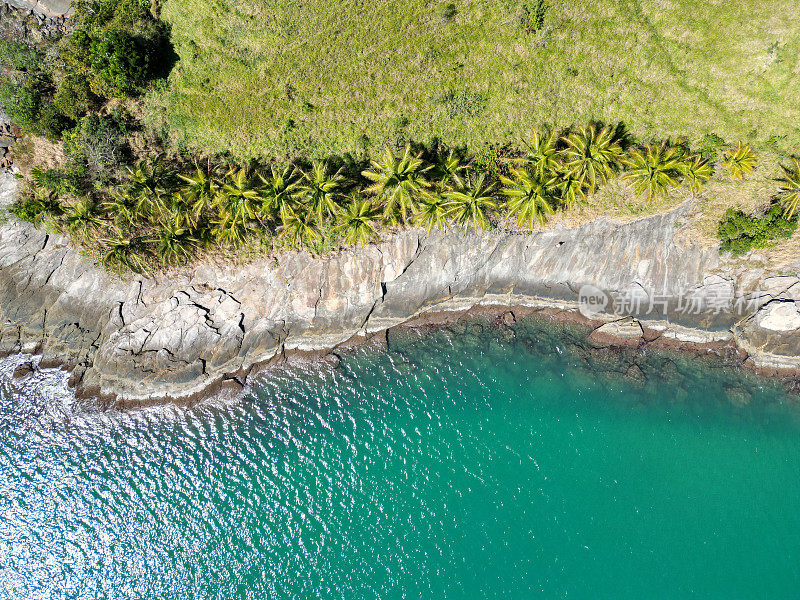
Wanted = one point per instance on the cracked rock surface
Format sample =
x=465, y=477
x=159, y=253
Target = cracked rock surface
x=152, y=337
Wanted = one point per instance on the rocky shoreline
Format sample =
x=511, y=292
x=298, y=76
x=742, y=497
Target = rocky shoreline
x=145, y=339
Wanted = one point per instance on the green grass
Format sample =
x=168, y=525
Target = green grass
x=272, y=78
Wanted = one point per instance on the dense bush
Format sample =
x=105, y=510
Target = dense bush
x=22, y=102
x=120, y=64
x=739, y=232
x=108, y=55
x=710, y=146
x=29, y=105
x=37, y=208
x=20, y=56
x=98, y=142
x=111, y=47
x=74, y=97
x=64, y=182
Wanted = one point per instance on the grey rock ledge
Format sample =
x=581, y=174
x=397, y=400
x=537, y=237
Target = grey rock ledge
x=144, y=338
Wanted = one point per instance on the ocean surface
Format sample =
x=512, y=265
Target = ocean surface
x=473, y=462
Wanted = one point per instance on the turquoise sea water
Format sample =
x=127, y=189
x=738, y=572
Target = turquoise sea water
x=465, y=464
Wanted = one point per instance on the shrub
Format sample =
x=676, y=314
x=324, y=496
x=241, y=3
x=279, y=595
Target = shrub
x=492, y=160
x=119, y=62
x=533, y=13
x=448, y=11
x=23, y=103
x=710, y=145
x=97, y=142
x=20, y=56
x=74, y=98
x=37, y=208
x=51, y=122
x=740, y=232
x=61, y=181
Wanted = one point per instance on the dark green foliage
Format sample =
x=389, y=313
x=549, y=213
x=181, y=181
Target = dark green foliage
x=93, y=15
x=116, y=46
x=740, y=232
x=533, y=13
x=74, y=97
x=120, y=64
x=448, y=11
x=37, y=208
x=52, y=123
x=112, y=46
x=492, y=160
x=20, y=56
x=23, y=103
x=710, y=146
x=61, y=181
x=98, y=142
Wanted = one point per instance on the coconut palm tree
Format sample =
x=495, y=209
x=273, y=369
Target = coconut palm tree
x=237, y=204
x=397, y=181
x=178, y=209
x=570, y=191
x=277, y=192
x=739, y=161
x=300, y=226
x=174, y=242
x=357, y=221
x=696, y=171
x=320, y=190
x=122, y=252
x=200, y=189
x=43, y=206
x=448, y=170
x=591, y=155
x=148, y=182
x=542, y=155
x=789, y=188
x=529, y=196
x=473, y=203
x=82, y=218
x=431, y=211
x=654, y=169
x=122, y=206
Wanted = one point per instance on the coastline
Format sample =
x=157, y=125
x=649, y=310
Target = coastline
x=160, y=339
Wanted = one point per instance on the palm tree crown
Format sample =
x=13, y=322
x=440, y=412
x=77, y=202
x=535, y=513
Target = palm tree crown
x=739, y=161
x=319, y=190
x=357, y=221
x=789, y=188
x=591, y=156
x=654, y=169
x=529, y=196
x=278, y=191
x=397, y=181
x=542, y=155
x=473, y=203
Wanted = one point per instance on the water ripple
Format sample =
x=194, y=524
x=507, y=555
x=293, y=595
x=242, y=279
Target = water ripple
x=453, y=466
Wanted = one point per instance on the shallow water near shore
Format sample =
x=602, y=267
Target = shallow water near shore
x=469, y=462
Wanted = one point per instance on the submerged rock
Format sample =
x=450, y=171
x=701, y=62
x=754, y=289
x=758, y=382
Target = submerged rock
x=738, y=396
x=24, y=369
x=625, y=332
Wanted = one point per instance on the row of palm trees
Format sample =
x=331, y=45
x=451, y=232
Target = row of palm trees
x=159, y=214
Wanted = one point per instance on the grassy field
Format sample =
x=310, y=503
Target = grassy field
x=272, y=78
